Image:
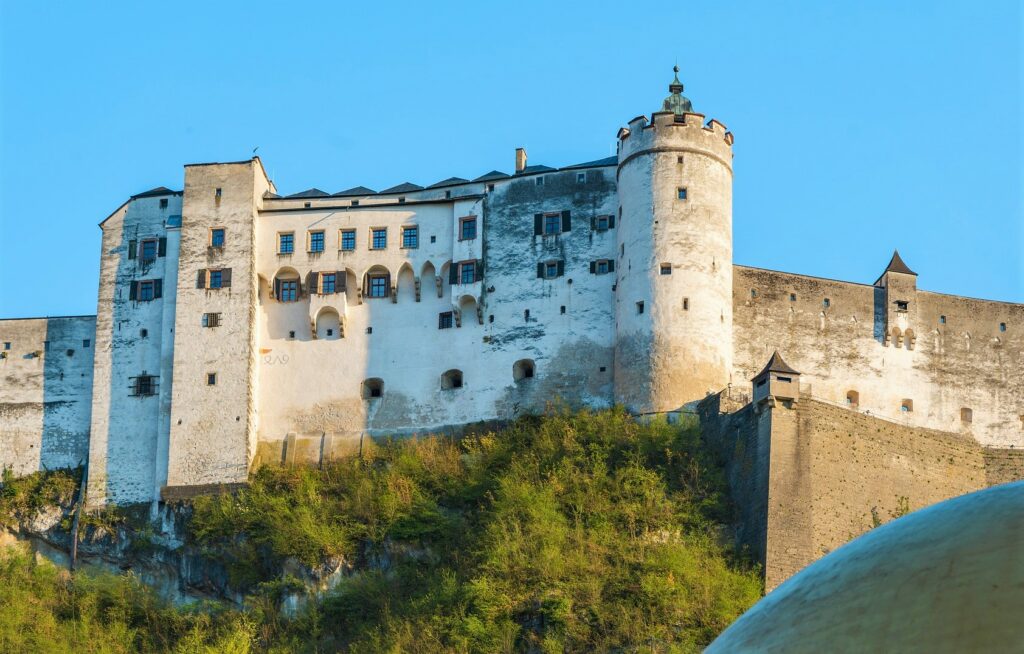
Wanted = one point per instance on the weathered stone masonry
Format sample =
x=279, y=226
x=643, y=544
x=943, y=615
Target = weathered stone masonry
x=237, y=327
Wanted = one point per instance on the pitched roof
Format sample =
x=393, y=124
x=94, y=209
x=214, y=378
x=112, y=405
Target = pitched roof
x=154, y=192
x=404, y=187
x=775, y=364
x=494, y=174
x=355, y=190
x=535, y=169
x=309, y=193
x=607, y=161
x=896, y=265
x=449, y=182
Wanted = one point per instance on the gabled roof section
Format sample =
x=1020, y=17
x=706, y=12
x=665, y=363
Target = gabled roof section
x=896, y=265
x=355, y=190
x=156, y=192
x=404, y=187
x=535, y=169
x=451, y=181
x=775, y=364
x=494, y=174
x=597, y=163
x=309, y=193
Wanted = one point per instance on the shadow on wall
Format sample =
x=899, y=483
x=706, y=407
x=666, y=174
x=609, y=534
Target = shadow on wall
x=67, y=391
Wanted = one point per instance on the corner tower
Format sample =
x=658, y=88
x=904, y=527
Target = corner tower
x=674, y=291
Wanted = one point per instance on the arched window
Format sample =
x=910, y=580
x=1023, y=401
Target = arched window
x=907, y=406
x=897, y=337
x=852, y=398
x=451, y=379
x=328, y=324
x=966, y=415
x=287, y=286
x=523, y=369
x=373, y=388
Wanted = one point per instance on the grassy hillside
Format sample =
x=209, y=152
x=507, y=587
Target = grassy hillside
x=574, y=532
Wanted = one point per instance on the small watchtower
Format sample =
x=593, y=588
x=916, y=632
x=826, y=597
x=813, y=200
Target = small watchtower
x=777, y=381
x=898, y=284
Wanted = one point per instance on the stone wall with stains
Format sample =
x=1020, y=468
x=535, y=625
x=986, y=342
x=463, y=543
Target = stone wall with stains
x=134, y=339
x=316, y=353
x=952, y=354
x=826, y=474
x=45, y=392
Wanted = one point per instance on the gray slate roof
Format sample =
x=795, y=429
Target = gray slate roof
x=355, y=190
x=309, y=193
x=776, y=364
x=404, y=187
x=451, y=181
x=155, y=192
x=494, y=174
x=896, y=264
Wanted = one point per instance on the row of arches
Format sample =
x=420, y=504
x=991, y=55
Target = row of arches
x=898, y=337
x=522, y=371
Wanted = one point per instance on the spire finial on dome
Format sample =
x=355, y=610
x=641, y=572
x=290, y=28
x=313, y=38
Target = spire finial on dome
x=677, y=102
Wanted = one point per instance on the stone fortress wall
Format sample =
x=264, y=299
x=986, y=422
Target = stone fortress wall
x=218, y=349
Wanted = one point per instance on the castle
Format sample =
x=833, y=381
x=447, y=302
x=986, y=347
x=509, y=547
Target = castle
x=236, y=326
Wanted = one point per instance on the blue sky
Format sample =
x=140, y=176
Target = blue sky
x=859, y=127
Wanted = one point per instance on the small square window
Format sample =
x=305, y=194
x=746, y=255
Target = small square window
x=143, y=333
x=316, y=242
x=286, y=243
x=348, y=239
x=330, y=332
x=145, y=386
x=539, y=181
x=433, y=239
x=603, y=368
x=792, y=297
x=639, y=307
x=902, y=306
x=86, y=342
x=163, y=203
x=444, y=320
x=490, y=187
x=379, y=240
x=211, y=379
x=581, y=178
x=666, y=269
x=679, y=159
x=410, y=237
x=211, y=320
x=217, y=238
x=369, y=330
x=291, y=334
x=681, y=193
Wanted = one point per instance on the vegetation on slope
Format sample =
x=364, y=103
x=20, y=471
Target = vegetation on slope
x=571, y=532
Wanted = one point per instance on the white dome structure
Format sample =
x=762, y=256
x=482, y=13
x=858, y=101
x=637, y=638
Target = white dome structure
x=948, y=578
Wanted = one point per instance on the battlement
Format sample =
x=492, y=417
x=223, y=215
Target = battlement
x=665, y=128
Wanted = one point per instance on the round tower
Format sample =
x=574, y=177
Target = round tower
x=674, y=287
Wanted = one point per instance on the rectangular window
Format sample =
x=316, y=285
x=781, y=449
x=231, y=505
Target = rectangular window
x=316, y=241
x=602, y=267
x=327, y=283
x=410, y=237
x=149, y=250
x=639, y=307
x=217, y=238
x=902, y=306
x=211, y=320
x=216, y=279
x=601, y=224
x=211, y=379
x=551, y=269
x=826, y=303
x=7, y=345
x=145, y=291
x=348, y=239
x=285, y=243
x=378, y=286
x=552, y=223
x=163, y=203
x=144, y=385
x=289, y=290
x=380, y=239
x=581, y=178
x=540, y=181
x=444, y=320
x=792, y=297
x=86, y=343
x=467, y=272
x=666, y=269
x=686, y=304
x=682, y=193
x=467, y=228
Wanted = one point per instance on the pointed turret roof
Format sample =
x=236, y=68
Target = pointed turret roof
x=896, y=265
x=775, y=364
x=677, y=102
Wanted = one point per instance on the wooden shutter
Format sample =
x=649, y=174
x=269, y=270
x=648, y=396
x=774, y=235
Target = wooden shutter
x=161, y=247
x=538, y=224
x=277, y=288
x=611, y=221
x=133, y=248
x=566, y=223
x=479, y=269
x=593, y=267
x=339, y=281
x=593, y=223
x=611, y=265
x=540, y=270
x=133, y=291
x=561, y=268
x=298, y=288
x=158, y=288
x=312, y=283
x=453, y=274
x=225, y=278
x=201, y=279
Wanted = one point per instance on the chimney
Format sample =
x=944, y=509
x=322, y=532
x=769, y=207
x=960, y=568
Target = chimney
x=520, y=160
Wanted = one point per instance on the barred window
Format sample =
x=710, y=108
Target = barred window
x=444, y=320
